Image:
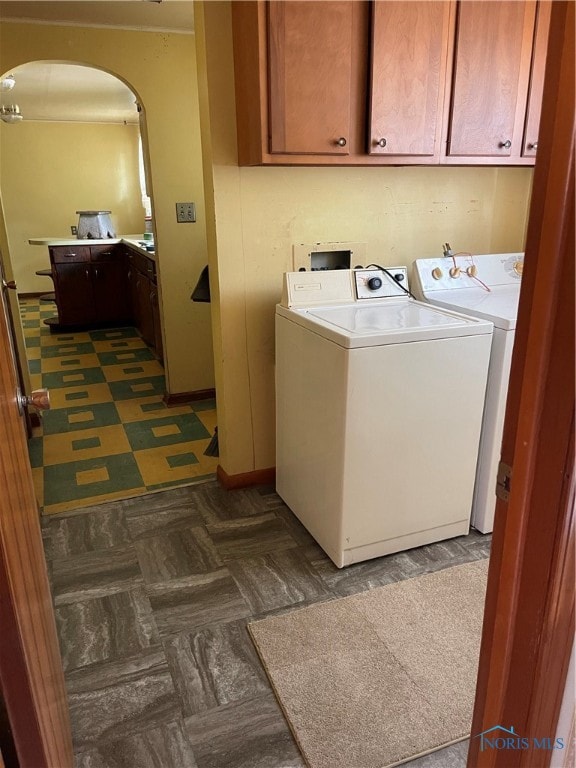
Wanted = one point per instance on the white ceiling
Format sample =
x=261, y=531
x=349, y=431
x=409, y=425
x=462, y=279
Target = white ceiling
x=67, y=92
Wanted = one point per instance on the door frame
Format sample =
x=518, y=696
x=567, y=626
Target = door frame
x=528, y=631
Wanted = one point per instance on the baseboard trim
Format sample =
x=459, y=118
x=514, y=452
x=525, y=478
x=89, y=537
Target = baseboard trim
x=188, y=397
x=246, y=479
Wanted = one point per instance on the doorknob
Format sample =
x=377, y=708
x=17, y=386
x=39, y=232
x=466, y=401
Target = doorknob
x=40, y=398
x=9, y=284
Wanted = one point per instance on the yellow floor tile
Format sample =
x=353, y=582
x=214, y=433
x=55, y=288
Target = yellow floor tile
x=155, y=469
x=33, y=353
x=209, y=419
x=59, y=449
x=97, y=393
x=57, y=364
x=65, y=506
x=36, y=380
x=55, y=339
x=147, y=368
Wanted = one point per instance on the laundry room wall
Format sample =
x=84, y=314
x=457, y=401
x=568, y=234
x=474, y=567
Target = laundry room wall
x=256, y=215
x=50, y=170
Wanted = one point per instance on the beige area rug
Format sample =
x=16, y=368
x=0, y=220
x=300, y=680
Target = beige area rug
x=375, y=679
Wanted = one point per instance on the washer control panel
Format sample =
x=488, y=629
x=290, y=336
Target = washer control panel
x=381, y=283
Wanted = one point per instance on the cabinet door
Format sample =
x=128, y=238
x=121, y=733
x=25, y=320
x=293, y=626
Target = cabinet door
x=530, y=144
x=491, y=70
x=146, y=327
x=408, y=71
x=111, y=291
x=158, y=346
x=310, y=76
x=74, y=295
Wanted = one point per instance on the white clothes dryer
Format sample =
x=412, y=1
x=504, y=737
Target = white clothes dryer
x=379, y=404
x=485, y=286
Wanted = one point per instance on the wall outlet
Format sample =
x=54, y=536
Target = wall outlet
x=185, y=213
x=74, y=230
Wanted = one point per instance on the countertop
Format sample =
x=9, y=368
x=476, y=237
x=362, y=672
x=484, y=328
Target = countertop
x=133, y=241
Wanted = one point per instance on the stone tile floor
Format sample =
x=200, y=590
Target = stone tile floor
x=152, y=596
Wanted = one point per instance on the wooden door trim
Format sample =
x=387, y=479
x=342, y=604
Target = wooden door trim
x=31, y=675
x=529, y=617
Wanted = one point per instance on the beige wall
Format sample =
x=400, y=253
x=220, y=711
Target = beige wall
x=400, y=213
x=48, y=171
x=160, y=69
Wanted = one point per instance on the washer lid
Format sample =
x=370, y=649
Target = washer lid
x=500, y=306
x=386, y=322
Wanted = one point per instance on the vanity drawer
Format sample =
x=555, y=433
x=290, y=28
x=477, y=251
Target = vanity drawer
x=62, y=254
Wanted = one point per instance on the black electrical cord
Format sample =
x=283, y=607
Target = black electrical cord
x=391, y=276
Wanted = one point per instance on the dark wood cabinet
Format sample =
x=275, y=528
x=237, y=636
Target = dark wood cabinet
x=90, y=285
x=143, y=289
x=530, y=144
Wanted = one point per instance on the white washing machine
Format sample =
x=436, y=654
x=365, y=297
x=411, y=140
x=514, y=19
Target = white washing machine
x=379, y=404
x=488, y=287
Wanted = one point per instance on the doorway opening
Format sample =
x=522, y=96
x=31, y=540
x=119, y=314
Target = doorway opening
x=81, y=145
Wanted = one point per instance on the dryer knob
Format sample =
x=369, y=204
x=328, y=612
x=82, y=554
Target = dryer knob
x=374, y=283
x=399, y=277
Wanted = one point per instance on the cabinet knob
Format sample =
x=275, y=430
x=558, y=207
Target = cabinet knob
x=534, y=145
x=341, y=141
x=381, y=143
x=505, y=144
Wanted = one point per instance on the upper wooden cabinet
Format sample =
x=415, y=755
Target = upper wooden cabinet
x=407, y=76
x=530, y=143
x=388, y=82
x=491, y=73
x=310, y=113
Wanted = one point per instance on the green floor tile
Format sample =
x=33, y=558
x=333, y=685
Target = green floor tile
x=131, y=388
x=32, y=341
x=181, y=460
x=170, y=430
x=88, y=442
x=68, y=348
x=62, y=420
x=34, y=366
x=204, y=405
x=65, y=482
x=111, y=334
x=75, y=378
x=35, y=451
x=125, y=357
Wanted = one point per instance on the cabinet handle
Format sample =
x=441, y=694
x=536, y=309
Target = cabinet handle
x=87, y=274
x=69, y=254
x=9, y=284
x=534, y=145
x=505, y=144
x=341, y=141
x=381, y=143
x=96, y=271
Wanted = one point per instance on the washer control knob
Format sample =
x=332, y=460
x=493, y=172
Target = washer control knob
x=472, y=270
x=454, y=271
x=399, y=277
x=374, y=283
x=436, y=273
x=518, y=267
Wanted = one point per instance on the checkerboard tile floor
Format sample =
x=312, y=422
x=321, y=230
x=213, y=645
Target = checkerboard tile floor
x=108, y=434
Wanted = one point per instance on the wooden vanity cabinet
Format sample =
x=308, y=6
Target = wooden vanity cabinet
x=90, y=285
x=492, y=61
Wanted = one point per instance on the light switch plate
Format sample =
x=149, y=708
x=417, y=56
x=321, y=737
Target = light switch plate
x=185, y=213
